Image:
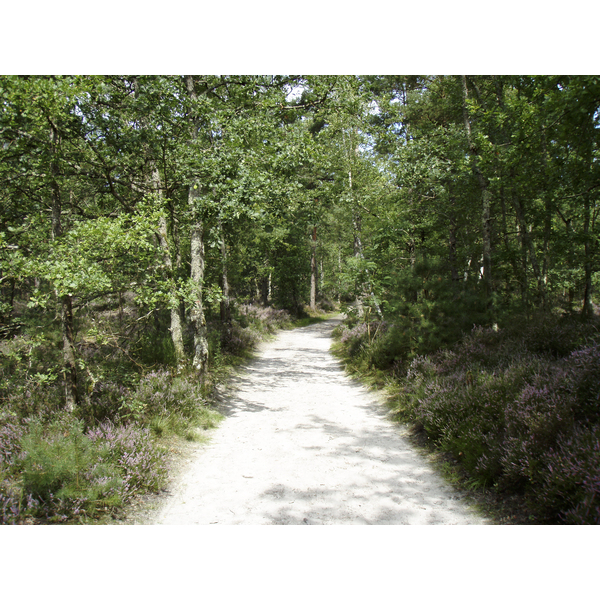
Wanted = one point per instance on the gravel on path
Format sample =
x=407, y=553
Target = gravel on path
x=304, y=444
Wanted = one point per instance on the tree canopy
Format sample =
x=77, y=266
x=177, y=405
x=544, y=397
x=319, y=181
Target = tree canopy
x=440, y=202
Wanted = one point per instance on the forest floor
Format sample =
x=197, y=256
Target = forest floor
x=303, y=444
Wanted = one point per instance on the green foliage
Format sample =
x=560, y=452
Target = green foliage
x=63, y=467
x=161, y=394
x=151, y=349
x=440, y=203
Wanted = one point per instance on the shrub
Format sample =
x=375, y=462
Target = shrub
x=162, y=393
x=370, y=340
x=11, y=433
x=583, y=367
x=169, y=403
x=12, y=509
x=104, y=403
x=567, y=484
x=65, y=472
x=141, y=465
x=263, y=318
x=557, y=337
x=533, y=420
x=236, y=339
x=527, y=422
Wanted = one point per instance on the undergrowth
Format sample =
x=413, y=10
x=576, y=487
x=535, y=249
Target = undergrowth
x=86, y=466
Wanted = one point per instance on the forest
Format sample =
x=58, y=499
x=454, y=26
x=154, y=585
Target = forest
x=153, y=228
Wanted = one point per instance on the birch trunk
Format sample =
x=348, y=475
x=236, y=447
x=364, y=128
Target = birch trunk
x=197, y=318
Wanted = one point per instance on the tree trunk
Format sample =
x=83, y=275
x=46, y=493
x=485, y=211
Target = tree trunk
x=67, y=327
x=176, y=327
x=486, y=199
x=587, y=309
x=527, y=245
x=507, y=246
x=225, y=306
x=170, y=249
x=167, y=243
x=65, y=301
x=321, y=277
x=197, y=318
x=548, y=210
x=313, y=271
x=453, y=229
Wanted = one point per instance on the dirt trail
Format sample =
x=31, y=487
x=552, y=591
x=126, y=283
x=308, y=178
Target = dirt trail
x=304, y=444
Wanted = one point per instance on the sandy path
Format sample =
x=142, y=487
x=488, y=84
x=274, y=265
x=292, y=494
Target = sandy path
x=304, y=444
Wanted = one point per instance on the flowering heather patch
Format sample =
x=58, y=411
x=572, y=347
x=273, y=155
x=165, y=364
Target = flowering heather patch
x=105, y=402
x=364, y=330
x=583, y=375
x=141, y=465
x=166, y=402
x=9, y=509
x=12, y=510
x=11, y=432
x=371, y=345
x=568, y=483
x=518, y=411
x=58, y=473
x=160, y=393
x=236, y=339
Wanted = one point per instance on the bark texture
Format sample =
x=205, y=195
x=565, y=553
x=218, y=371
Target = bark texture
x=197, y=318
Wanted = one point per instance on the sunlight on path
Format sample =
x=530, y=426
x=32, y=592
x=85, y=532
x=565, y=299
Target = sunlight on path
x=304, y=444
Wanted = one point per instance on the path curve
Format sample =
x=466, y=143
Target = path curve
x=305, y=444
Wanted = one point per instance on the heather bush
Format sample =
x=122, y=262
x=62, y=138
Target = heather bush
x=567, y=483
x=169, y=403
x=462, y=413
x=555, y=336
x=374, y=345
x=11, y=432
x=141, y=465
x=236, y=339
x=13, y=507
x=264, y=319
x=583, y=376
x=32, y=395
x=533, y=420
x=339, y=330
x=355, y=339
x=104, y=403
x=58, y=473
x=65, y=471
